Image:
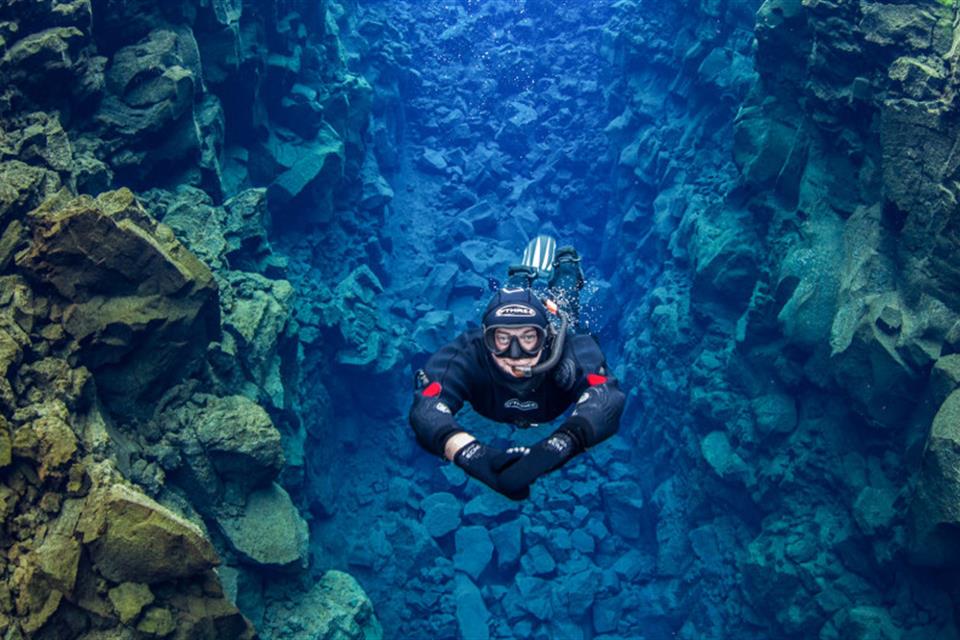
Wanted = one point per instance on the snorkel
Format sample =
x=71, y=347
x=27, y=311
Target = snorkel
x=559, y=337
x=512, y=309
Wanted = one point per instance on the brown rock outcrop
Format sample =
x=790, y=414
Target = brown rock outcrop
x=139, y=304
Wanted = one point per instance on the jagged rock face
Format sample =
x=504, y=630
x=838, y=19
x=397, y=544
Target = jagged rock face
x=216, y=113
x=812, y=276
x=776, y=255
x=141, y=307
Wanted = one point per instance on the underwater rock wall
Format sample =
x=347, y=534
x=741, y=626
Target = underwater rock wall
x=487, y=124
x=151, y=447
x=793, y=350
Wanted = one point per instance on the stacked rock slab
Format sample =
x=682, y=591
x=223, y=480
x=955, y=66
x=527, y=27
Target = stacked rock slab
x=800, y=309
x=113, y=322
x=139, y=304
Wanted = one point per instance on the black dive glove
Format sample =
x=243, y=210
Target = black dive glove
x=545, y=456
x=485, y=463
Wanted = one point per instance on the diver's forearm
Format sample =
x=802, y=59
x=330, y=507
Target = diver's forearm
x=456, y=442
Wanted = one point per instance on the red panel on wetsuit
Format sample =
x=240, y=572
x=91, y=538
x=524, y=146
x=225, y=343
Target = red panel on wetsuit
x=595, y=379
x=432, y=390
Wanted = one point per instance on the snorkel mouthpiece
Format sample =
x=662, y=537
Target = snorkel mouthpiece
x=561, y=335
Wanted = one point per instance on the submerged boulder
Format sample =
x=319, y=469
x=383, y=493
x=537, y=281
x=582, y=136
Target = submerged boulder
x=336, y=607
x=935, y=512
x=313, y=170
x=132, y=538
x=269, y=531
x=141, y=307
x=227, y=446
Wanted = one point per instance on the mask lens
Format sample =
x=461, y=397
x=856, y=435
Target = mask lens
x=528, y=341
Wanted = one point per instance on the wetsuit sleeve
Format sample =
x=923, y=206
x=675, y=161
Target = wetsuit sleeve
x=443, y=385
x=596, y=415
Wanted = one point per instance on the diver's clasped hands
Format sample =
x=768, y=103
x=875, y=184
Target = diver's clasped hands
x=486, y=463
x=511, y=472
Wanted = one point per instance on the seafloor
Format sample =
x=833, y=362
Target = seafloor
x=230, y=230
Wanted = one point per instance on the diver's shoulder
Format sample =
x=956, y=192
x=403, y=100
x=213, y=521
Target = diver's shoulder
x=583, y=341
x=584, y=348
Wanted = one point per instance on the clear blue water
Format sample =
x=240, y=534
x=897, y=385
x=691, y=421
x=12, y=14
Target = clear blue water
x=601, y=124
x=511, y=94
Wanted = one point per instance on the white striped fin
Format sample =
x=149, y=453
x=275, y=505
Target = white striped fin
x=539, y=254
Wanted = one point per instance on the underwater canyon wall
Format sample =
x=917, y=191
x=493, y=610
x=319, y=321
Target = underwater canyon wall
x=151, y=445
x=223, y=224
x=794, y=342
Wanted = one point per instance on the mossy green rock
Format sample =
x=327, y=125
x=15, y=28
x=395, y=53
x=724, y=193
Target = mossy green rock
x=270, y=530
x=157, y=622
x=132, y=538
x=335, y=609
x=129, y=599
x=43, y=51
x=935, y=511
x=6, y=445
x=23, y=187
x=142, y=307
x=223, y=440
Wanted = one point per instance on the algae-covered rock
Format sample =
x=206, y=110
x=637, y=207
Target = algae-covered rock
x=336, y=608
x=269, y=531
x=6, y=445
x=23, y=187
x=225, y=445
x=132, y=538
x=257, y=312
x=238, y=438
x=935, y=510
x=48, y=440
x=142, y=307
x=154, y=118
x=157, y=622
x=43, y=53
x=129, y=599
x=808, y=283
x=874, y=332
x=50, y=569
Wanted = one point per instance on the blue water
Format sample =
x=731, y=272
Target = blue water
x=511, y=95
x=494, y=122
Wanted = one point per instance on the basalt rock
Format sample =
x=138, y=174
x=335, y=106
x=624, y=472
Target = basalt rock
x=107, y=306
x=935, y=510
x=269, y=531
x=334, y=608
x=227, y=447
x=141, y=307
x=131, y=538
x=23, y=187
x=149, y=107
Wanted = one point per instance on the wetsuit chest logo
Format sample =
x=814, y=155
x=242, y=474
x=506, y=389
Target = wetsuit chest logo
x=526, y=405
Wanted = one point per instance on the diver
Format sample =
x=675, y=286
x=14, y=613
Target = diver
x=520, y=368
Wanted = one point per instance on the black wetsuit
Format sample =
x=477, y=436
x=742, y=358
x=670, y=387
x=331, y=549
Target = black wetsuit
x=464, y=371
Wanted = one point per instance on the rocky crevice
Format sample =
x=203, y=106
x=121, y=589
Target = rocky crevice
x=223, y=223
x=151, y=451
x=796, y=340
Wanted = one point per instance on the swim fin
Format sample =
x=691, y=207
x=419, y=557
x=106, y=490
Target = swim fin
x=539, y=255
